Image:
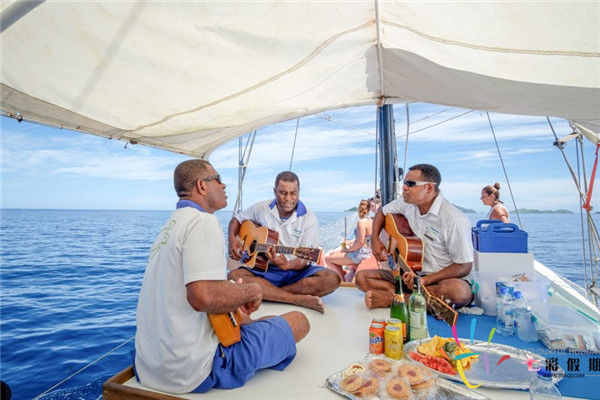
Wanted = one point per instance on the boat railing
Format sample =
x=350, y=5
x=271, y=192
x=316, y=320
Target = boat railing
x=332, y=234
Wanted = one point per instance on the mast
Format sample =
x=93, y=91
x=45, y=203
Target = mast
x=387, y=153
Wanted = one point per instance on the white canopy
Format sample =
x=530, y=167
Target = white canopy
x=189, y=76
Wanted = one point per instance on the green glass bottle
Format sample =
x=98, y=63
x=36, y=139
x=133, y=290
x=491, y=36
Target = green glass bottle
x=417, y=308
x=399, y=309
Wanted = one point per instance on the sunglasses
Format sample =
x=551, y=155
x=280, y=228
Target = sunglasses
x=411, y=184
x=208, y=179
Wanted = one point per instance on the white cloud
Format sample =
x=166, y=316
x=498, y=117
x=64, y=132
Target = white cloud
x=84, y=156
x=114, y=167
x=335, y=159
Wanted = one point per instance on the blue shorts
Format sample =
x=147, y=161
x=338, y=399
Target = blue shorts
x=281, y=277
x=266, y=343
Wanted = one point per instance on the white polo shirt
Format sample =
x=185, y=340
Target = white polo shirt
x=174, y=343
x=444, y=230
x=301, y=229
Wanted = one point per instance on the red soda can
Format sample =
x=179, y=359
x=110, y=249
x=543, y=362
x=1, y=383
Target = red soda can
x=376, y=335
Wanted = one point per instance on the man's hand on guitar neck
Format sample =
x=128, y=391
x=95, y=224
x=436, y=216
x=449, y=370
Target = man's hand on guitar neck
x=378, y=249
x=377, y=246
x=282, y=262
x=455, y=270
x=408, y=279
x=236, y=247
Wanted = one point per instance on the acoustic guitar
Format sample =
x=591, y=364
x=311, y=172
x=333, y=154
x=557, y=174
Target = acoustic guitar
x=227, y=327
x=405, y=251
x=255, y=241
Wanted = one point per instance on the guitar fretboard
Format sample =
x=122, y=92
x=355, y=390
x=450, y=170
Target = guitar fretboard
x=261, y=248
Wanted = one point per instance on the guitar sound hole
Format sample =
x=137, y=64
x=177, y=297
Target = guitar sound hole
x=252, y=246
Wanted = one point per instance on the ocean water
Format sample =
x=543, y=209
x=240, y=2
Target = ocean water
x=70, y=280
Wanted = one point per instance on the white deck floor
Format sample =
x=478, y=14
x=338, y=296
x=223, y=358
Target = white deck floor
x=337, y=338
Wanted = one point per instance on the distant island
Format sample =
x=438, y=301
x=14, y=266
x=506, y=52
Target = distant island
x=520, y=210
x=465, y=210
x=534, y=211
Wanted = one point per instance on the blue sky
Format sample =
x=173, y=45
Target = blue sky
x=334, y=156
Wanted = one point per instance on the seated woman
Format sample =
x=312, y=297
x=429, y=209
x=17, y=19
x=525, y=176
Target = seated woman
x=490, y=196
x=374, y=205
x=356, y=250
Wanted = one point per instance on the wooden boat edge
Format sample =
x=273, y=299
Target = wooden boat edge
x=114, y=389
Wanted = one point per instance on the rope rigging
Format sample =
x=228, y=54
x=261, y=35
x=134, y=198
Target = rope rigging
x=593, y=239
x=244, y=158
x=84, y=368
x=294, y=146
x=438, y=123
x=504, y=169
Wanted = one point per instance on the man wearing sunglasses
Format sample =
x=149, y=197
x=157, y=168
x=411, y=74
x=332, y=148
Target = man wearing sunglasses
x=446, y=235
x=287, y=279
x=177, y=348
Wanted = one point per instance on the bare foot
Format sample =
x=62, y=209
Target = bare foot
x=377, y=299
x=314, y=302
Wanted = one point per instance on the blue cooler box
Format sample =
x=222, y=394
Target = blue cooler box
x=493, y=236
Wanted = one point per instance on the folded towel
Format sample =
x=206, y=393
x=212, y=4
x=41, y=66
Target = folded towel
x=471, y=310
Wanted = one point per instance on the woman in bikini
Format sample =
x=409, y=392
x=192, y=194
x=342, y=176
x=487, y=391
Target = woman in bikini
x=490, y=196
x=356, y=250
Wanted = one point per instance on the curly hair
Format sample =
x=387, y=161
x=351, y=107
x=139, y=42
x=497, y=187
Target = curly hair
x=363, y=208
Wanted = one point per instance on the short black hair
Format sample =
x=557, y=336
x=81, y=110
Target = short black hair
x=187, y=173
x=287, y=176
x=430, y=173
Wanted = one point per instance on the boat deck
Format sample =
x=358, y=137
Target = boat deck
x=338, y=338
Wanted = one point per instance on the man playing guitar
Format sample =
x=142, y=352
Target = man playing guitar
x=288, y=279
x=446, y=235
x=177, y=343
